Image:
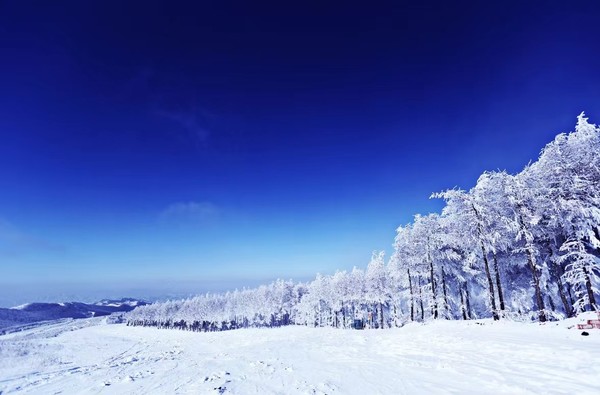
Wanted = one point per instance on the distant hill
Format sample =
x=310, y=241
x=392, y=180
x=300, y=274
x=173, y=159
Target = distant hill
x=35, y=312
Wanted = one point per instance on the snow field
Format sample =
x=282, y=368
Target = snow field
x=89, y=356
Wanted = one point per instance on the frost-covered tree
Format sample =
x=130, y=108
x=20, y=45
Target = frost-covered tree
x=582, y=271
x=468, y=213
x=514, y=245
x=377, y=284
x=568, y=172
x=427, y=238
x=407, y=268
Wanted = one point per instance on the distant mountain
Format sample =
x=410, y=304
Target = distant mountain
x=35, y=312
x=121, y=303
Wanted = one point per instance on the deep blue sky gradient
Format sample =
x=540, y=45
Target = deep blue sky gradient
x=183, y=147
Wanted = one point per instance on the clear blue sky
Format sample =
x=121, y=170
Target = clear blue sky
x=172, y=148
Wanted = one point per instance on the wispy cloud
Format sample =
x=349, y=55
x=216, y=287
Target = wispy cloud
x=178, y=105
x=198, y=212
x=14, y=242
x=192, y=122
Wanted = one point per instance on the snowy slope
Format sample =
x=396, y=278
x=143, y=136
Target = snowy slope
x=89, y=356
x=35, y=312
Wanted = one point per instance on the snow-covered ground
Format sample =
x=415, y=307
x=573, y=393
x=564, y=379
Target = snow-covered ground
x=90, y=356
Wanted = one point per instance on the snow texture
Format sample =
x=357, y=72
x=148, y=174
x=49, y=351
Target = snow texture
x=91, y=356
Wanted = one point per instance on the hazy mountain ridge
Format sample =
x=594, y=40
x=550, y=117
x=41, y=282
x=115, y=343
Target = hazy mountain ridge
x=36, y=312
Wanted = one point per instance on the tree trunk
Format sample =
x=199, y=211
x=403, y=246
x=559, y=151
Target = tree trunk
x=588, y=288
x=563, y=298
x=412, y=297
x=551, y=303
x=570, y=294
x=561, y=288
x=469, y=313
x=381, y=314
x=462, y=305
x=490, y=284
x=446, y=304
x=486, y=265
x=499, y=285
x=536, y=283
x=434, y=309
x=421, y=301
x=533, y=268
x=320, y=316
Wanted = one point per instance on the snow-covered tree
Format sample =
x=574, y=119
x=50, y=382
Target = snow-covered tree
x=513, y=245
x=378, y=292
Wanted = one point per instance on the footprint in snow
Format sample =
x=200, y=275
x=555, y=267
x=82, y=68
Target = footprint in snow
x=319, y=389
x=73, y=370
x=221, y=389
x=216, y=376
x=219, y=376
x=263, y=366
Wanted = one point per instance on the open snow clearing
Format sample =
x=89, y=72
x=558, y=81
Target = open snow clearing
x=91, y=356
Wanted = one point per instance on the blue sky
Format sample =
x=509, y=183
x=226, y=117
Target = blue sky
x=176, y=148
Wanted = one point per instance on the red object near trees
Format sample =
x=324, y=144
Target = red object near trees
x=591, y=324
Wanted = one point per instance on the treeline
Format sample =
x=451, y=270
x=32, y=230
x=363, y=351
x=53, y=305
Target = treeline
x=523, y=246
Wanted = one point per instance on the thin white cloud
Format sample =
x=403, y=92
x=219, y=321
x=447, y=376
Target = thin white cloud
x=190, y=211
x=14, y=242
x=190, y=122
